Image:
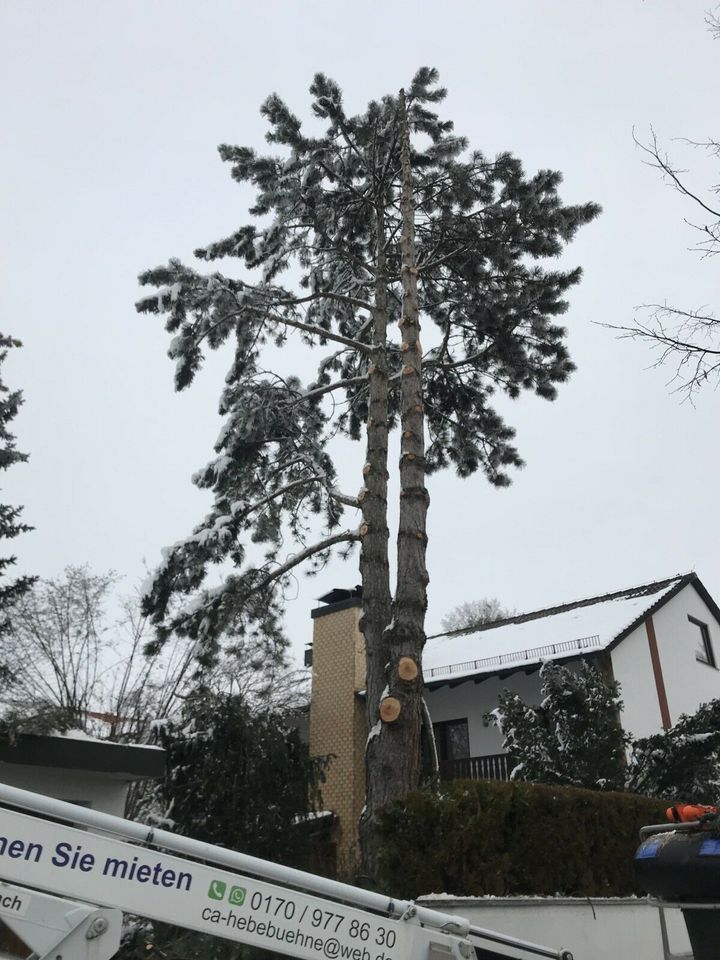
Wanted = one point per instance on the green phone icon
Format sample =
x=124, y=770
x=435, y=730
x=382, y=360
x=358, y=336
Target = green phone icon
x=217, y=889
x=237, y=896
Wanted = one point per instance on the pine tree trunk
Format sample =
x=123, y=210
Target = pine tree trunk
x=393, y=755
x=374, y=565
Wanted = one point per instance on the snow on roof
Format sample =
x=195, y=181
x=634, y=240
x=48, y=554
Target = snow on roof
x=552, y=633
x=76, y=734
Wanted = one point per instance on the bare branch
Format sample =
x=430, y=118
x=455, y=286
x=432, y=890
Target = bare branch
x=328, y=388
x=325, y=334
x=327, y=295
x=343, y=498
x=662, y=163
x=454, y=364
x=347, y=536
x=690, y=342
x=280, y=492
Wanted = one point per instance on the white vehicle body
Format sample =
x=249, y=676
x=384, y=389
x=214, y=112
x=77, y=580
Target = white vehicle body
x=74, y=883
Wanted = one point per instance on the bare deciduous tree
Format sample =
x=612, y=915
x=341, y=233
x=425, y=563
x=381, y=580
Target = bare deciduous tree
x=686, y=337
x=474, y=613
x=74, y=667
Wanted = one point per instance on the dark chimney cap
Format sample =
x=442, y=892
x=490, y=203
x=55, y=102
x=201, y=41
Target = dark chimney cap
x=338, y=594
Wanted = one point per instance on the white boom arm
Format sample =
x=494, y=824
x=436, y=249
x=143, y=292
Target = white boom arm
x=55, y=927
x=129, y=867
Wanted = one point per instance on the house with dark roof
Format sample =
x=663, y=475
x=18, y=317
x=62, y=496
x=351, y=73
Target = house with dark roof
x=660, y=640
x=79, y=768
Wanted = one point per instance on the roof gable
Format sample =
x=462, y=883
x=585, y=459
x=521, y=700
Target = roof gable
x=564, y=631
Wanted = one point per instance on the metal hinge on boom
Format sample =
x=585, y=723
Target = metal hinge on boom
x=55, y=928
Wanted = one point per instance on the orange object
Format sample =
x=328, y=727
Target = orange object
x=687, y=812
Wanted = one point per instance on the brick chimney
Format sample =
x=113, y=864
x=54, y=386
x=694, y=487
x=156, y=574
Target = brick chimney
x=338, y=726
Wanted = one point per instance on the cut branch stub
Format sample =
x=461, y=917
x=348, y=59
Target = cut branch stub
x=407, y=668
x=408, y=370
x=364, y=529
x=389, y=709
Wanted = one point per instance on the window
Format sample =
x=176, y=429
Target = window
x=703, y=649
x=451, y=738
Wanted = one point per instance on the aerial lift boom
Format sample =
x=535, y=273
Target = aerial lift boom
x=68, y=873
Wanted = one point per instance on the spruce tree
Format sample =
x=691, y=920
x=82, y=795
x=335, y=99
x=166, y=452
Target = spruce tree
x=10, y=524
x=376, y=221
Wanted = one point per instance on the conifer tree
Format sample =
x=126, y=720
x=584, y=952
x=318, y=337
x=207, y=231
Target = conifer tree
x=10, y=524
x=574, y=736
x=375, y=221
x=682, y=763
x=239, y=776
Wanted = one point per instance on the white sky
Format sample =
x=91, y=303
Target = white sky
x=110, y=119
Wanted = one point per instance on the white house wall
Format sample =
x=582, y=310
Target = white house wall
x=632, y=668
x=688, y=682
x=472, y=700
x=76, y=786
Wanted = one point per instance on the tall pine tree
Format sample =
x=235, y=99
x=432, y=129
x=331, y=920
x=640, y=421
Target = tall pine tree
x=381, y=219
x=10, y=524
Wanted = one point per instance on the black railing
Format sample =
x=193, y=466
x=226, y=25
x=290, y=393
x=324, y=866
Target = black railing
x=519, y=656
x=496, y=766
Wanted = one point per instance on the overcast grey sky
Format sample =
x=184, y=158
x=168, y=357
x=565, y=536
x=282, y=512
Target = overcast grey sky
x=110, y=119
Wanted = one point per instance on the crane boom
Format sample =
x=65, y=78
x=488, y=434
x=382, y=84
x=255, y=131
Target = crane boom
x=120, y=865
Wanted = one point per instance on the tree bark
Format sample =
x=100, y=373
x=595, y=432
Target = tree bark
x=394, y=746
x=374, y=565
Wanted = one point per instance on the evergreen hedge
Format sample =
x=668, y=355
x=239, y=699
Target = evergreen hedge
x=474, y=838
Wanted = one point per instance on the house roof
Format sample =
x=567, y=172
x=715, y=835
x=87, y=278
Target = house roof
x=561, y=632
x=115, y=760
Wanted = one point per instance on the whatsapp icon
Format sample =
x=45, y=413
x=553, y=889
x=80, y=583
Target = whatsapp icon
x=237, y=896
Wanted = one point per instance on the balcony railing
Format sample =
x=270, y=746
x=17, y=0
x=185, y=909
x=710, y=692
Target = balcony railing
x=567, y=647
x=496, y=766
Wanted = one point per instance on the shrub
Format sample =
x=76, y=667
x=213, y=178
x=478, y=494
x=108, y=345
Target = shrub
x=475, y=838
x=573, y=736
x=682, y=763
